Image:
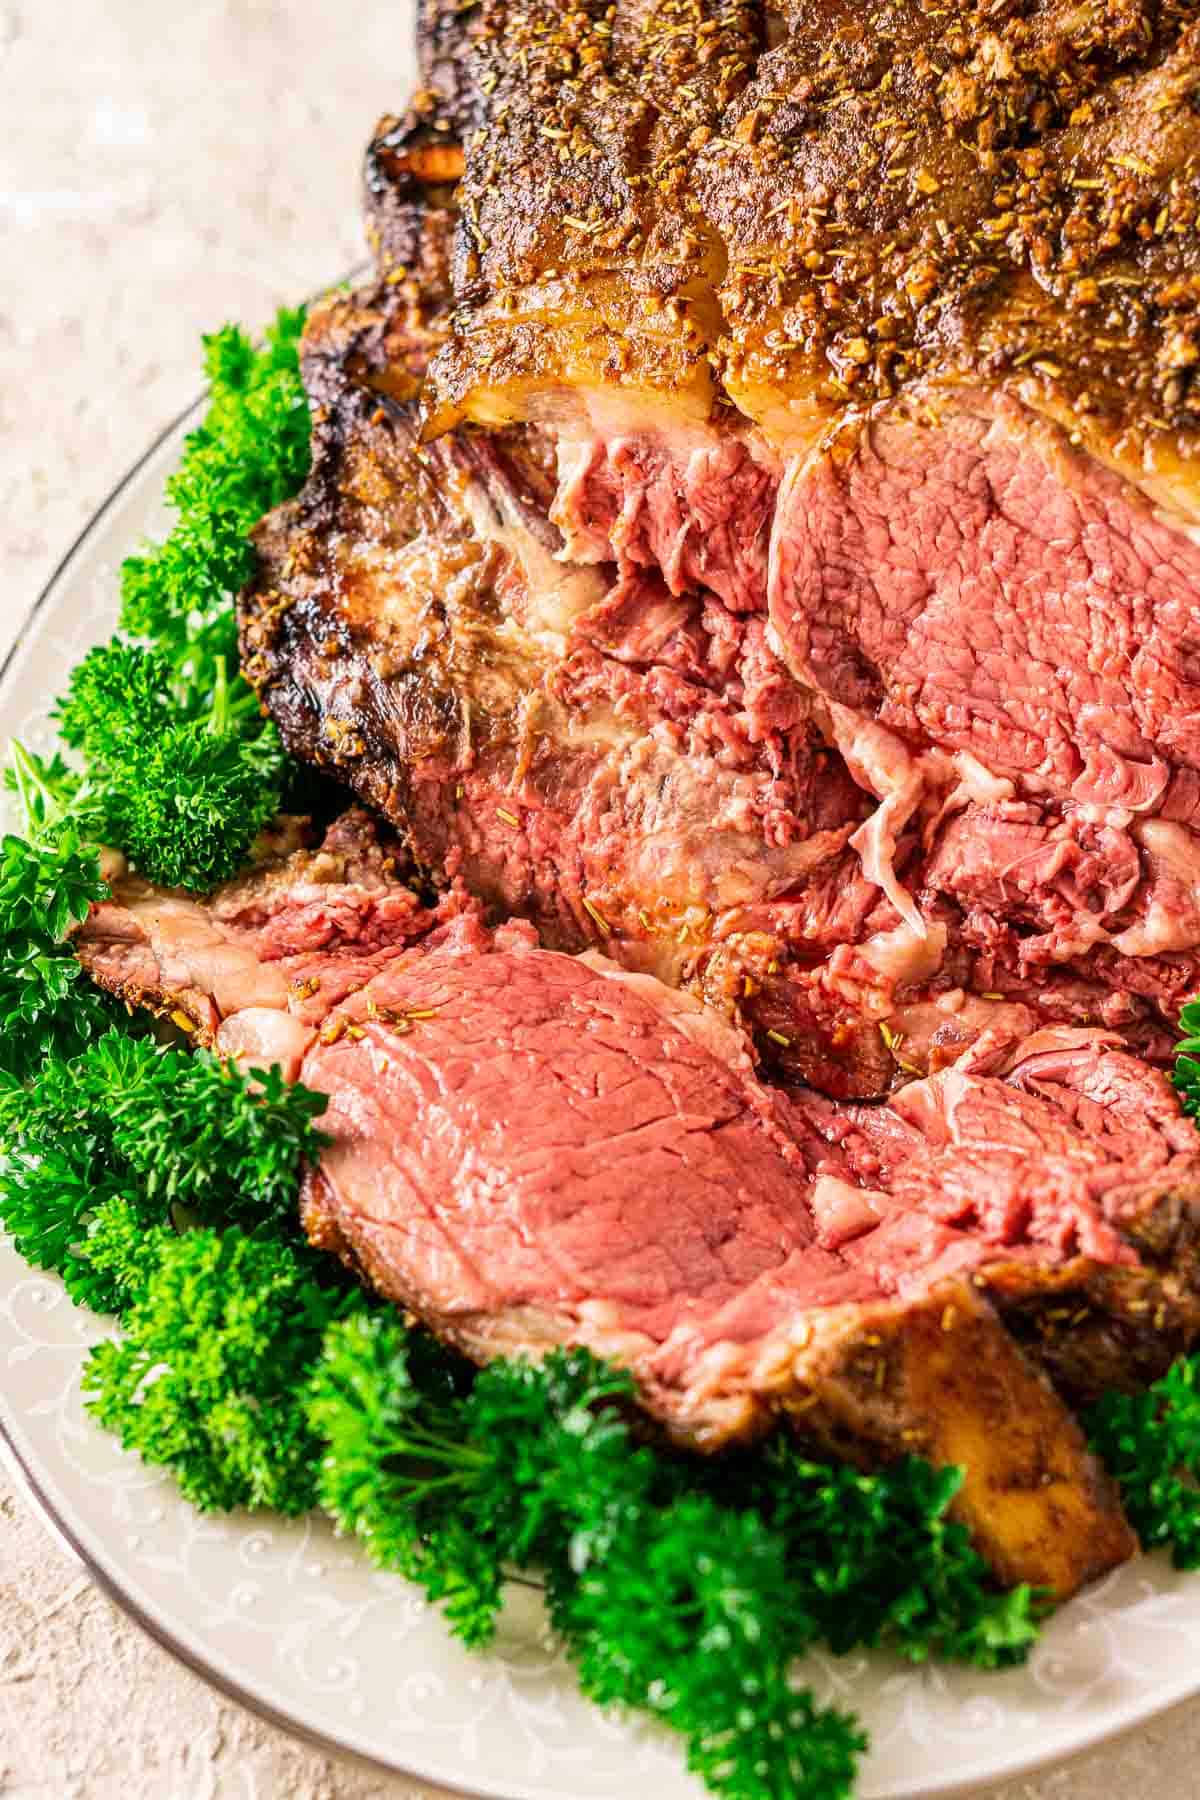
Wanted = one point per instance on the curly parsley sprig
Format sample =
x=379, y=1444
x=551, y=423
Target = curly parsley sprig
x=160, y=1129
x=183, y=782
x=49, y=881
x=1150, y=1443
x=906, y=1575
x=184, y=771
x=220, y=1330
x=1186, y=1076
x=668, y=1601
x=177, y=766
x=250, y=454
x=681, y=1588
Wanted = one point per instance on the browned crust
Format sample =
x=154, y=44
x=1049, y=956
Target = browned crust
x=576, y=188
x=1096, y=1329
x=943, y=1379
x=376, y=701
x=181, y=1010
x=412, y=166
x=446, y=33
x=1007, y=194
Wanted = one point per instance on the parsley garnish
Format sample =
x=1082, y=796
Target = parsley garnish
x=680, y=1588
x=1151, y=1445
x=49, y=881
x=219, y=1333
x=1187, y=1068
x=160, y=1129
x=668, y=1601
x=875, y=1559
x=250, y=454
x=182, y=782
x=178, y=767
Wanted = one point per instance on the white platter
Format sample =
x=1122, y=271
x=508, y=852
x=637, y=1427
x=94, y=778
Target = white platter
x=295, y=1623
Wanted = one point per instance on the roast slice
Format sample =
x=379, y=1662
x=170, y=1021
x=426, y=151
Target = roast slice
x=533, y=1149
x=594, y=756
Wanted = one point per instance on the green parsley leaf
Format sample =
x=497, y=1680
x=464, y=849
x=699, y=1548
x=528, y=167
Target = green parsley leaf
x=668, y=1602
x=1150, y=1443
x=180, y=769
x=250, y=454
x=687, y=1615
x=159, y=1128
x=183, y=791
x=47, y=1008
x=1187, y=1068
x=216, y=1347
x=875, y=1560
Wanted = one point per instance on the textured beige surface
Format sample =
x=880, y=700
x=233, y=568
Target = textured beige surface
x=162, y=167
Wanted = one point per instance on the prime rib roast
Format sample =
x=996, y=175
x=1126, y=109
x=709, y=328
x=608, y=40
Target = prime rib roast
x=751, y=567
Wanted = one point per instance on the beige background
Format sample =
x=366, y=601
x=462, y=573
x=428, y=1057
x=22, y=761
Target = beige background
x=164, y=165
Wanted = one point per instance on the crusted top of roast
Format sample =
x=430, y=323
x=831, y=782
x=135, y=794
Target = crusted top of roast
x=831, y=205
x=583, y=252
x=1007, y=191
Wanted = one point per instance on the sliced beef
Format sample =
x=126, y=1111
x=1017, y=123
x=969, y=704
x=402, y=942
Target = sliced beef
x=966, y=601
x=986, y=588
x=551, y=1157
x=531, y=1149
x=1050, y=1147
